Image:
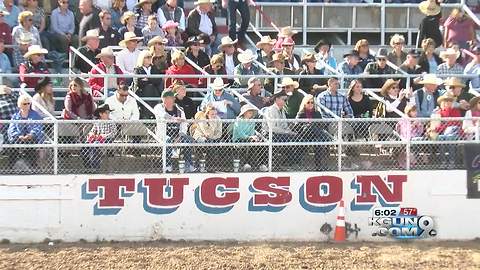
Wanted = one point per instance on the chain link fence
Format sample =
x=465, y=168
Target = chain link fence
x=104, y=147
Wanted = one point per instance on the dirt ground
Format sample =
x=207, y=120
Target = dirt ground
x=234, y=255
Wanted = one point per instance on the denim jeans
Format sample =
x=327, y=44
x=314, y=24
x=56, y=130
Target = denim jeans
x=242, y=7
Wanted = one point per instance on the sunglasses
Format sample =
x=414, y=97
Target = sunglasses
x=398, y=43
x=382, y=59
x=310, y=102
x=126, y=95
x=26, y=103
x=64, y=2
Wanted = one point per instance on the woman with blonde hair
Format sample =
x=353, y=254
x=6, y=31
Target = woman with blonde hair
x=78, y=102
x=160, y=57
x=146, y=86
x=363, y=49
x=180, y=67
x=44, y=97
x=459, y=29
x=216, y=67
x=208, y=129
x=397, y=55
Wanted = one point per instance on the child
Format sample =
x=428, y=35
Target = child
x=152, y=29
x=172, y=34
x=410, y=129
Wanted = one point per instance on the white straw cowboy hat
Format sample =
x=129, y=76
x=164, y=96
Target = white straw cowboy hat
x=141, y=2
x=35, y=49
x=218, y=84
x=127, y=15
x=25, y=38
x=431, y=79
x=4, y=12
x=93, y=33
x=245, y=108
x=157, y=39
x=226, y=41
x=5, y=90
x=448, y=52
x=107, y=51
x=246, y=56
x=429, y=7
x=289, y=81
x=446, y=97
x=455, y=82
x=204, y=2
x=129, y=36
x=287, y=32
x=266, y=40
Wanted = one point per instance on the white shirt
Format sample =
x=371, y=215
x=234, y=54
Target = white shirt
x=123, y=111
x=206, y=25
x=103, y=4
x=148, y=70
x=162, y=20
x=127, y=60
x=112, y=81
x=229, y=64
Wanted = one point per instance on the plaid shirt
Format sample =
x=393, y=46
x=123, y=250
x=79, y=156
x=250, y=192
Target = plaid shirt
x=107, y=130
x=444, y=69
x=338, y=104
x=142, y=19
x=8, y=105
x=18, y=58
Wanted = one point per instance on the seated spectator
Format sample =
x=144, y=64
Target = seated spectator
x=394, y=97
x=8, y=103
x=117, y=10
x=278, y=63
x=290, y=87
x=457, y=89
x=450, y=129
x=230, y=54
x=285, y=33
x=5, y=65
x=425, y=97
x=89, y=50
x=322, y=48
x=379, y=67
x=430, y=24
x=265, y=50
x=170, y=11
x=256, y=94
x=89, y=19
x=129, y=20
x=13, y=11
x=5, y=29
x=78, y=102
x=208, y=126
x=349, y=66
x=470, y=127
x=429, y=60
x=122, y=105
x=62, y=27
x=311, y=85
x=360, y=103
x=25, y=20
x=246, y=67
x=182, y=100
x=24, y=42
x=292, y=60
x=202, y=20
x=160, y=58
x=334, y=101
x=108, y=66
x=143, y=12
x=146, y=87
x=410, y=66
x=226, y=105
x=172, y=34
x=194, y=53
x=25, y=133
x=397, y=56
x=44, y=97
x=408, y=128
x=364, y=56
x=216, y=67
x=151, y=29
x=175, y=130
x=111, y=37
x=127, y=58
x=473, y=68
x=450, y=65
x=34, y=64
x=459, y=29
x=180, y=67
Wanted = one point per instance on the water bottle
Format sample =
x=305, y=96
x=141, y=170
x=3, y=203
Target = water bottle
x=236, y=165
x=181, y=166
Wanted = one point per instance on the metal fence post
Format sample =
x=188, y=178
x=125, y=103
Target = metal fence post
x=55, y=147
x=382, y=23
x=164, y=149
x=270, y=146
x=304, y=23
x=408, y=145
x=340, y=143
x=105, y=86
x=477, y=133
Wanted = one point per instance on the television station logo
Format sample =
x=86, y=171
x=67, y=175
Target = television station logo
x=401, y=223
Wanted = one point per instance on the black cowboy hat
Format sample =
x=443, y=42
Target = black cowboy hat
x=321, y=43
x=100, y=109
x=42, y=83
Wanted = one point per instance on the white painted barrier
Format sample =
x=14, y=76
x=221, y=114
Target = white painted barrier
x=272, y=206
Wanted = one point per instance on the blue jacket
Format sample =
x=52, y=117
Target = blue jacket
x=232, y=110
x=16, y=130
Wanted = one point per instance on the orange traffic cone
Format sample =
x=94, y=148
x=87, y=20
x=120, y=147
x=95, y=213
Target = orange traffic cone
x=340, y=233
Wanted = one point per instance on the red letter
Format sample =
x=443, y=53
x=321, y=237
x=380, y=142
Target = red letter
x=210, y=186
x=393, y=194
x=332, y=184
x=111, y=190
x=275, y=191
x=156, y=193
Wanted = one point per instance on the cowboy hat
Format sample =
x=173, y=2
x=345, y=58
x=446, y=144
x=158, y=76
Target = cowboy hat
x=5, y=90
x=93, y=33
x=266, y=40
x=193, y=40
x=445, y=97
x=169, y=24
x=453, y=81
x=107, y=51
x=278, y=57
x=382, y=53
x=226, y=41
x=126, y=15
x=204, y=2
x=287, y=32
x=308, y=57
x=157, y=39
x=473, y=102
x=35, y=49
x=387, y=85
x=4, y=12
x=448, y=52
x=430, y=79
x=413, y=52
x=251, y=83
x=25, y=38
x=141, y=2
x=129, y=36
x=321, y=43
x=245, y=108
x=42, y=83
x=351, y=53
x=289, y=81
x=218, y=84
x=246, y=56
x=100, y=109
x=429, y=7
x=288, y=41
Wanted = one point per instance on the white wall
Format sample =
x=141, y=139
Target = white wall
x=33, y=208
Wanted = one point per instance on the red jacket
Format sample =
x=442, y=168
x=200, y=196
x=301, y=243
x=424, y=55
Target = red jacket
x=28, y=68
x=450, y=112
x=184, y=70
x=96, y=84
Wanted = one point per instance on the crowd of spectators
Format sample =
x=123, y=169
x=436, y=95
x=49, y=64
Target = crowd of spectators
x=144, y=29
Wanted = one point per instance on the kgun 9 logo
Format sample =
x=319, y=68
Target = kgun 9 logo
x=388, y=223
